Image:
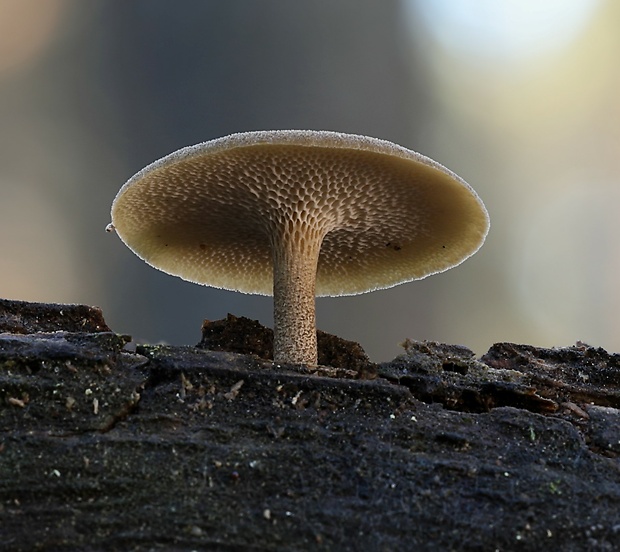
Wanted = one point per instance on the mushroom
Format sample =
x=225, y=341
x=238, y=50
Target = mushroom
x=299, y=214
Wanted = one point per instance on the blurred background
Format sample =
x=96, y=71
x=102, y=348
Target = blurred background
x=521, y=98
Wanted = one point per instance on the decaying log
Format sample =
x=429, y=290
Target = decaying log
x=104, y=446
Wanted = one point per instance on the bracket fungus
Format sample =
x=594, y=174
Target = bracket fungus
x=299, y=214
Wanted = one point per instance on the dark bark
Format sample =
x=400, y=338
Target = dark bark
x=184, y=448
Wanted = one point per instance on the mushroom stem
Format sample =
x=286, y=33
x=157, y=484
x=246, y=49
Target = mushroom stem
x=295, y=257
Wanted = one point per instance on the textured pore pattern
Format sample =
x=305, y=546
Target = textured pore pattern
x=385, y=215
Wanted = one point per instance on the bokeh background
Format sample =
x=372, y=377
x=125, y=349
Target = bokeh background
x=519, y=97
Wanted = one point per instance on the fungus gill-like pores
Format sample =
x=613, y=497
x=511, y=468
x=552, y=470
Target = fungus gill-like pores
x=299, y=214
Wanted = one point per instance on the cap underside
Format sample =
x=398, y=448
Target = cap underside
x=388, y=215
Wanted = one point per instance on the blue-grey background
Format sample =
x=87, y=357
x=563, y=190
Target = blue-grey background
x=518, y=97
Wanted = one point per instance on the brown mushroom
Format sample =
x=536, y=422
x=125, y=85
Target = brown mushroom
x=299, y=214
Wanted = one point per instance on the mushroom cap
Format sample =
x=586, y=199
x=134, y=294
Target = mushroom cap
x=208, y=213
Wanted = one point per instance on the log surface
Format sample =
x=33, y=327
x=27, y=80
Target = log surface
x=185, y=448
